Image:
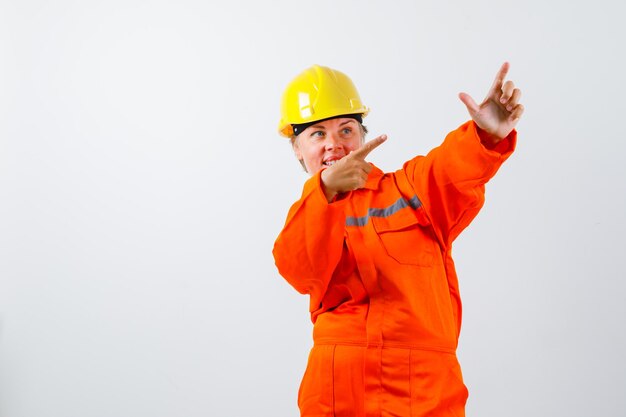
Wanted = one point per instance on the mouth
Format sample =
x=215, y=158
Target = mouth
x=331, y=161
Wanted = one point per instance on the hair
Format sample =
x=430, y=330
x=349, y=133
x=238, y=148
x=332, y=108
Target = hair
x=294, y=138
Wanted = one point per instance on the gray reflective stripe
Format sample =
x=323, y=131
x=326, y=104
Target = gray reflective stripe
x=356, y=221
x=401, y=203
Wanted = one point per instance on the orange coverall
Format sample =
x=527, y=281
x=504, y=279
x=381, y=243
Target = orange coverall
x=384, y=296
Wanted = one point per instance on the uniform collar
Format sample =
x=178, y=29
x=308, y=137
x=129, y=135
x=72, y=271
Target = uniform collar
x=373, y=178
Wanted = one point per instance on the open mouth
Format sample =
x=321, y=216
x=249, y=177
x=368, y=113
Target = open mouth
x=331, y=160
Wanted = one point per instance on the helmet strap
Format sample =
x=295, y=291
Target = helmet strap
x=299, y=128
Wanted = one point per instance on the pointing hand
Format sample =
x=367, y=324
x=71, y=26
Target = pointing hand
x=500, y=111
x=350, y=172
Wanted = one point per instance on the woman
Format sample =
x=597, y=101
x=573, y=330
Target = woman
x=373, y=250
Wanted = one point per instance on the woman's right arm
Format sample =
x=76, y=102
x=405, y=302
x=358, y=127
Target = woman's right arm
x=310, y=245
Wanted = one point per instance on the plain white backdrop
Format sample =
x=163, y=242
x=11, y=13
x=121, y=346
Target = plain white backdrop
x=142, y=184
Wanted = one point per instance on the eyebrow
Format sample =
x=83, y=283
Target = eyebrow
x=341, y=124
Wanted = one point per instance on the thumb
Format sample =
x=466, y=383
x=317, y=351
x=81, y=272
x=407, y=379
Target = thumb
x=469, y=102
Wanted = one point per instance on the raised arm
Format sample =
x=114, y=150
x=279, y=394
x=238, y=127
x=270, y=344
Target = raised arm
x=450, y=180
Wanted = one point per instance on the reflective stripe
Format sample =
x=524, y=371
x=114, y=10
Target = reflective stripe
x=401, y=203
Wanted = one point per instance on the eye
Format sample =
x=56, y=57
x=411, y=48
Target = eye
x=346, y=131
x=317, y=134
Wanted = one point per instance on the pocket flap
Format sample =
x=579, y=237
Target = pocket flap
x=402, y=219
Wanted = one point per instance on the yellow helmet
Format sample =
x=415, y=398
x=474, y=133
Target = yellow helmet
x=318, y=93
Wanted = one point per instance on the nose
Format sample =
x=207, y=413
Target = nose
x=333, y=142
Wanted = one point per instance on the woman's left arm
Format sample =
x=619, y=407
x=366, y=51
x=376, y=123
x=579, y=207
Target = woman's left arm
x=451, y=179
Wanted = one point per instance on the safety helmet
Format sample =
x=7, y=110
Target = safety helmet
x=318, y=93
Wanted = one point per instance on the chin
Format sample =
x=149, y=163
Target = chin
x=314, y=168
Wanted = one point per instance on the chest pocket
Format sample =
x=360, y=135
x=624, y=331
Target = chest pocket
x=406, y=238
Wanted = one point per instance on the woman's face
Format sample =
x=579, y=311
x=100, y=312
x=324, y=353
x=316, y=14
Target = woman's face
x=326, y=142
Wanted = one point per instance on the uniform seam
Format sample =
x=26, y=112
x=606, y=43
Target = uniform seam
x=333, y=382
x=410, y=383
x=386, y=346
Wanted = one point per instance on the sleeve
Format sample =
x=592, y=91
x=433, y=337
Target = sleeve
x=450, y=180
x=309, y=247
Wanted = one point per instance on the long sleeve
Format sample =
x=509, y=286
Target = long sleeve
x=450, y=180
x=310, y=245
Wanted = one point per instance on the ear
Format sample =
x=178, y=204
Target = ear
x=296, y=149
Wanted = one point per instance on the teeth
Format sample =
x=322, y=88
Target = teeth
x=329, y=163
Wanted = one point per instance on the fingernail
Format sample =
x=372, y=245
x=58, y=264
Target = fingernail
x=502, y=100
x=509, y=108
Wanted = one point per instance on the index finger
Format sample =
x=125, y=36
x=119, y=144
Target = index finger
x=497, y=83
x=368, y=147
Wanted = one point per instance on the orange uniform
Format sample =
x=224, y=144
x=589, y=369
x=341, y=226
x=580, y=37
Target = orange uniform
x=384, y=296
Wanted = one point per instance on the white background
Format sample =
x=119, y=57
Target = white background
x=142, y=184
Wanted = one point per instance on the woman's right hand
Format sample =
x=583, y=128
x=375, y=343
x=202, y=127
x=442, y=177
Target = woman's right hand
x=350, y=172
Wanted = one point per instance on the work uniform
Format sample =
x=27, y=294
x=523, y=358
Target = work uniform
x=384, y=295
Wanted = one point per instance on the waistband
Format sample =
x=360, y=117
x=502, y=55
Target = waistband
x=384, y=345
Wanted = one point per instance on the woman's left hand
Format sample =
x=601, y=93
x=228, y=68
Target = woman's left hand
x=500, y=111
